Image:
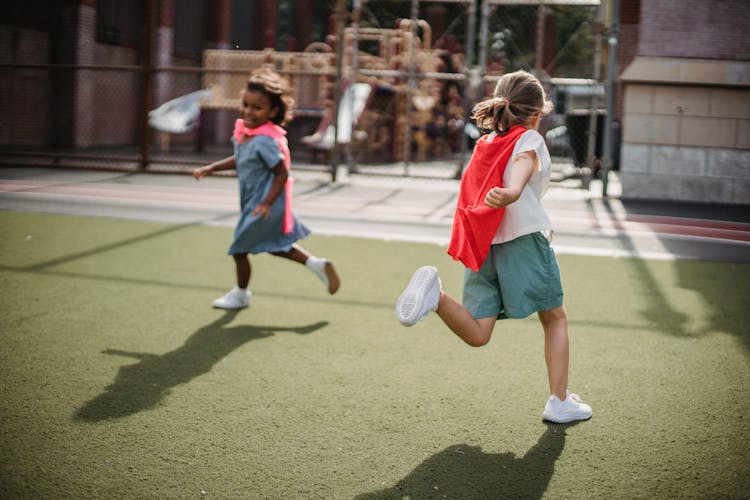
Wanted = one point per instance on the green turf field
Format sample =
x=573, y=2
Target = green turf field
x=118, y=379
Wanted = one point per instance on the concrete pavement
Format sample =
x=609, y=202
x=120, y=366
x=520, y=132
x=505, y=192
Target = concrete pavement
x=389, y=207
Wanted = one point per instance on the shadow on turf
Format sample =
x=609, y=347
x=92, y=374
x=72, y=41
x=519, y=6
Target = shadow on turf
x=142, y=385
x=463, y=471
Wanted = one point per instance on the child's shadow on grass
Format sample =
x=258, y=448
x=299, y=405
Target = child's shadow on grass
x=463, y=471
x=142, y=385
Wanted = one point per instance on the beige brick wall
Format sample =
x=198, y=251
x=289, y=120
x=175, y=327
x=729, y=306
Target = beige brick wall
x=686, y=131
x=686, y=115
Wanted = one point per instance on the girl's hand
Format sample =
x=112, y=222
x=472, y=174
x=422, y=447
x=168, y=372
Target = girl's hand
x=520, y=173
x=201, y=172
x=498, y=197
x=263, y=210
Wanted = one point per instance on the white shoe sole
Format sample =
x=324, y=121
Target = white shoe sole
x=565, y=419
x=409, y=304
x=230, y=308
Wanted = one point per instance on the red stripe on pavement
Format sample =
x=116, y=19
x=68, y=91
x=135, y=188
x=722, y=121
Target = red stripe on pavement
x=684, y=221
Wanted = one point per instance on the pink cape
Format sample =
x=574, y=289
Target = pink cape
x=278, y=134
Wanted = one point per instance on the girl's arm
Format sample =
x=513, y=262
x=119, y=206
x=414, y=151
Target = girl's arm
x=225, y=164
x=280, y=176
x=520, y=173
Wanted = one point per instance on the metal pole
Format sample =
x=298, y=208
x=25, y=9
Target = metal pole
x=468, y=95
x=150, y=17
x=469, y=58
x=611, y=88
x=410, y=83
x=340, y=25
x=483, y=38
x=594, y=111
x=356, y=11
x=539, y=42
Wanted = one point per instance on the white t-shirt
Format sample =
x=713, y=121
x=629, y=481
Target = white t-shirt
x=526, y=215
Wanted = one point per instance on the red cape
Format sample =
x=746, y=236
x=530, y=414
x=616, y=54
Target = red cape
x=474, y=223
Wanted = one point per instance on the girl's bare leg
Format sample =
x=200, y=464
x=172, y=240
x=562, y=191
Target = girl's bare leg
x=556, y=350
x=242, y=263
x=321, y=267
x=297, y=254
x=473, y=331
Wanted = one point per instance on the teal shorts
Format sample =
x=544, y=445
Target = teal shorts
x=518, y=278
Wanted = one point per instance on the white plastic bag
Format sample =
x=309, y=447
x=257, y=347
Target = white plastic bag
x=179, y=115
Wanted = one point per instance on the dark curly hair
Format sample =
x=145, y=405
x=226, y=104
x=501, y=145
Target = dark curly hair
x=277, y=89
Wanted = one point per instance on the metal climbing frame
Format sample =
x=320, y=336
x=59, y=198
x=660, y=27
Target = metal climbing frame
x=473, y=74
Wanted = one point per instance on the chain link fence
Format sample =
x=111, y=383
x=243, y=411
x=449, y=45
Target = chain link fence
x=387, y=102
x=100, y=115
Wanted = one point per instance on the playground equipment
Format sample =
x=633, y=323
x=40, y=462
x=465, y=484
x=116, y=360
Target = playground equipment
x=377, y=112
x=309, y=74
x=350, y=109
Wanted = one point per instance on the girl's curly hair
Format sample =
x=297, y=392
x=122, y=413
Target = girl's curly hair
x=518, y=97
x=277, y=89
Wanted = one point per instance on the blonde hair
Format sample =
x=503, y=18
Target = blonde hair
x=277, y=89
x=518, y=98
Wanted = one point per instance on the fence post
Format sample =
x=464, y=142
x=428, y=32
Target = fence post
x=340, y=17
x=467, y=96
x=591, y=159
x=607, y=152
x=148, y=77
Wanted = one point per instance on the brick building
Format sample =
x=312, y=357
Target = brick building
x=685, y=100
x=93, y=94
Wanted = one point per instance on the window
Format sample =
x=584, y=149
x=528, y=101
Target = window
x=188, y=29
x=243, y=24
x=120, y=22
x=29, y=14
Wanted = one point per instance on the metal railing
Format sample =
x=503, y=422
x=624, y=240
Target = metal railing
x=107, y=127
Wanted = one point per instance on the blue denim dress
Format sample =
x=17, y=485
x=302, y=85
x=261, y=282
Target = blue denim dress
x=255, y=161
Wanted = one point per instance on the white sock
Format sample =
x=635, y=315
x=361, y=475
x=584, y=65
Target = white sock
x=312, y=261
x=317, y=266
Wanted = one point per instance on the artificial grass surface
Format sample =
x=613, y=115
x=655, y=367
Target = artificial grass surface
x=117, y=378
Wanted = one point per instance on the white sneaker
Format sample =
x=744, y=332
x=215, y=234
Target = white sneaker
x=324, y=270
x=421, y=296
x=236, y=298
x=570, y=410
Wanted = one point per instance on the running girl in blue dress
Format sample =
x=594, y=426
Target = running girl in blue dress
x=262, y=160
